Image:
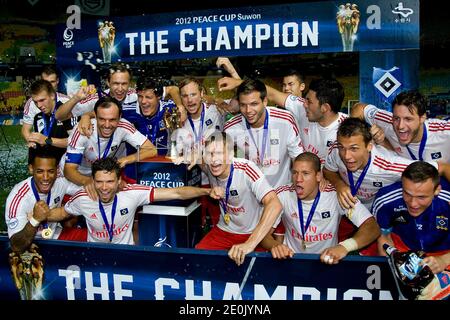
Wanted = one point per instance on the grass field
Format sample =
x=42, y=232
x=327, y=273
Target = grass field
x=13, y=164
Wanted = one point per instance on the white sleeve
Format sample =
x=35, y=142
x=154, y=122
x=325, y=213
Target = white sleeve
x=294, y=142
x=84, y=106
x=71, y=188
x=331, y=161
x=73, y=207
x=16, y=212
x=358, y=215
x=296, y=106
x=141, y=195
x=30, y=110
x=257, y=180
x=380, y=117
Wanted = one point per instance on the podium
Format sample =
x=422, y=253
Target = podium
x=175, y=223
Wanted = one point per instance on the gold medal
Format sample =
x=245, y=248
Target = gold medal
x=227, y=218
x=304, y=245
x=47, y=233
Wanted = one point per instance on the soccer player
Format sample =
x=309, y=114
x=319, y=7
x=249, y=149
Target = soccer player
x=310, y=218
x=407, y=128
x=268, y=137
x=413, y=214
x=24, y=223
x=108, y=133
x=47, y=130
x=110, y=218
x=249, y=206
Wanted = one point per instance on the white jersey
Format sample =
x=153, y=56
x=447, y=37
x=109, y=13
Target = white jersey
x=322, y=233
x=283, y=144
x=185, y=137
x=315, y=138
x=385, y=168
x=21, y=201
x=87, y=105
x=30, y=109
x=128, y=200
x=437, y=146
x=248, y=188
x=84, y=151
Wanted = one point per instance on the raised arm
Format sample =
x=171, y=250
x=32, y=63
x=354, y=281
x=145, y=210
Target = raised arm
x=163, y=194
x=147, y=150
x=357, y=110
x=272, y=209
x=224, y=62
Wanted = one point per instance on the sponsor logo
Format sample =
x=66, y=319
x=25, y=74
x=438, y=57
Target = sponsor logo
x=402, y=13
x=93, y=216
x=400, y=219
x=68, y=36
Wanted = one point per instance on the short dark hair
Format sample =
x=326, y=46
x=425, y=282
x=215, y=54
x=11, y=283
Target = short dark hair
x=49, y=69
x=310, y=157
x=296, y=73
x=42, y=85
x=148, y=83
x=413, y=100
x=106, y=102
x=328, y=91
x=250, y=85
x=420, y=171
x=119, y=67
x=108, y=164
x=353, y=127
x=44, y=152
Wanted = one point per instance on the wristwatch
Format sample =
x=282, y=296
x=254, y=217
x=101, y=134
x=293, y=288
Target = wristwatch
x=48, y=141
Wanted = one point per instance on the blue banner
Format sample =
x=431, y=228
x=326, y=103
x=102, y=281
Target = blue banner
x=333, y=26
x=86, y=271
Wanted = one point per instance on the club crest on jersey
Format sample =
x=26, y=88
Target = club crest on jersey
x=13, y=223
x=330, y=143
x=124, y=211
x=274, y=141
x=378, y=184
x=114, y=148
x=436, y=155
x=325, y=214
x=371, y=113
x=234, y=193
x=292, y=97
x=56, y=200
x=442, y=223
x=208, y=122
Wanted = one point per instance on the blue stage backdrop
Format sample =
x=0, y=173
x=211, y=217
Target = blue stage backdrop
x=363, y=26
x=76, y=271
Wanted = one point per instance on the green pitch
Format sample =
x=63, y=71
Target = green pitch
x=13, y=164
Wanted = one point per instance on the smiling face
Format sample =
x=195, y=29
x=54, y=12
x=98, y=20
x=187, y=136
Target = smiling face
x=148, y=102
x=418, y=196
x=191, y=96
x=354, y=152
x=119, y=82
x=44, y=173
x=305, y=179
x=408, y=126
x=106, y=184
x=218, y=159
x=253, y=108
x=107, y=120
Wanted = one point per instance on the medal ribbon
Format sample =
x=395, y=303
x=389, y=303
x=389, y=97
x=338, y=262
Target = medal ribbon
x=109, y=227
x=423, y=142
x=224, y=204
x=354, y=187
x=198, y=135
x=36, y=196
x=47, y=130
x=303, y=227
x=264, y=139
x=108, y=146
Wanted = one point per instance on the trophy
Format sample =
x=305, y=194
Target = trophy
x=106, y=36
x=172, y=121
x=347, y=20
x=27, y=270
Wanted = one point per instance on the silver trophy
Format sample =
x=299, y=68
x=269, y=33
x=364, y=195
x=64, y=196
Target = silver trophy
x=347, y=19
x=27, y=271
x=172, y=121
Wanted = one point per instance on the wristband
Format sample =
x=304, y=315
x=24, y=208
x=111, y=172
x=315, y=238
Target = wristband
x=34, y=222
x=350, y=244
